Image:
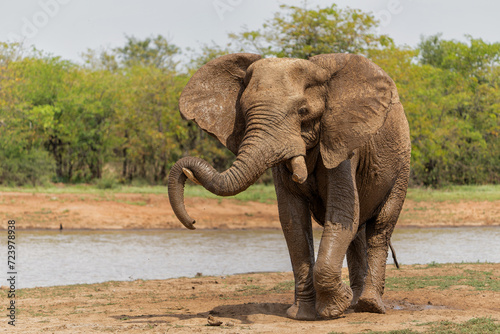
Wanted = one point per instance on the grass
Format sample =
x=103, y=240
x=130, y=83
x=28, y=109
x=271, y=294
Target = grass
x=456, y=193
x=62, y=290
x=251, y=290
x=284, y=287
x=476, y=279
x=265, y=193
x=87, y=189
x=473, y=326
x=256, y=193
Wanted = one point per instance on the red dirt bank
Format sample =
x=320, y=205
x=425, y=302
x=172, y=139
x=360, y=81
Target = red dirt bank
x=133, y=211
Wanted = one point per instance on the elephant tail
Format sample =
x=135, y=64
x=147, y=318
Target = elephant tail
x=394, y=255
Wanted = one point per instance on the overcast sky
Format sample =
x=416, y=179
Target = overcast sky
x=68, y=27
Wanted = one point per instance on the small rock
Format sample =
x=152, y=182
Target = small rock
x=213, y=322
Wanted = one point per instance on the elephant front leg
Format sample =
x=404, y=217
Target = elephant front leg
x=295, y=219
x=342, y=220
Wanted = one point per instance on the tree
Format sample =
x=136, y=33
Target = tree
x=473, y=59
x=474, y=115
x=148, y=127
x=155, y=51
x=23, y=159
x=453, y=115
x=152, y=51
x=301, y=33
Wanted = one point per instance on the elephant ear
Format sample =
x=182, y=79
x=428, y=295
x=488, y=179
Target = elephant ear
x=358, y=99
x=211, y=98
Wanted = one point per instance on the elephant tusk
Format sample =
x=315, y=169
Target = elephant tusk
x=299, y=169
x=190, y=176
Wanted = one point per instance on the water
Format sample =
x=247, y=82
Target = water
x=47, y=258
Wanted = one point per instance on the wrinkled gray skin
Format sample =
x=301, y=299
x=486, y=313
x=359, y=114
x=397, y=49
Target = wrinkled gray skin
x=336, y=136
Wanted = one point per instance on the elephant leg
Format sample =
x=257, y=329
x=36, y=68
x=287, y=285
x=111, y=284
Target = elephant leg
x=357, y=263
x=295, y=218
x=341, y=225
x=378, y=234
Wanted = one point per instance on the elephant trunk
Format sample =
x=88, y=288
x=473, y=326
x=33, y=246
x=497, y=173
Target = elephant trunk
x=245, y=171
x=242, y=174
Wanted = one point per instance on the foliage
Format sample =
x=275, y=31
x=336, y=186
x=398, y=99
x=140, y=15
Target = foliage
x=155, y=52
x=116, y=117
x=453, y=117
x=465, y=112
x=147, y=127
x=65, y=110
x=301, y=33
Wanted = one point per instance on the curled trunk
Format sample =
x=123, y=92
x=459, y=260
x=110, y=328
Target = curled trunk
x=257, y=153
x=228, y=183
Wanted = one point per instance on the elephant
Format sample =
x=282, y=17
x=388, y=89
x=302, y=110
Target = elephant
x=335, y=134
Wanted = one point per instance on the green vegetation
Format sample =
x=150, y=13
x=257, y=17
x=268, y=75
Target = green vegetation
x=302, y=33
x=114, y=120
x=473, y=326
x=251, y=290
x=456, y=193
x=479, y=280
x=284, y=287
x=263, y=193
x=257, y=193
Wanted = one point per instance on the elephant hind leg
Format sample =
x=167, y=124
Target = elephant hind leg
x=356, y=261
x=378, y=234
x=370, y=299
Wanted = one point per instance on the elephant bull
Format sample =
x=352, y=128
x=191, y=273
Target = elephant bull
x=335, y=134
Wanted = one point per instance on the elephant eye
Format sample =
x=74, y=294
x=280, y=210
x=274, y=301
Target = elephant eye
x=303, y=111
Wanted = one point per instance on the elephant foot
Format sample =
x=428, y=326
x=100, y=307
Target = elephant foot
x=332, y=304
x=370, y=303
x=302, y=311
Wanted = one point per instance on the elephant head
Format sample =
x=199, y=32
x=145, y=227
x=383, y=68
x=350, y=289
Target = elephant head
x=272, y=111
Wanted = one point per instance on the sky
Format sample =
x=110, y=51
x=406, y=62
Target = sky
x=67, y=28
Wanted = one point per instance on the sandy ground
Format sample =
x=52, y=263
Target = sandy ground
x=132, y=211
x=253, y=303
x=248, y=303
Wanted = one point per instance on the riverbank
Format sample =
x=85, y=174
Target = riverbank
x=422, y=298
x=115, y=210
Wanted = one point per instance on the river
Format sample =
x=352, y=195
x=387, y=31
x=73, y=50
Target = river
x=48, y=258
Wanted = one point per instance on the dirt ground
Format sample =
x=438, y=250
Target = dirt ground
x=144, y=211
x=256, y=303
x=248, y=303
